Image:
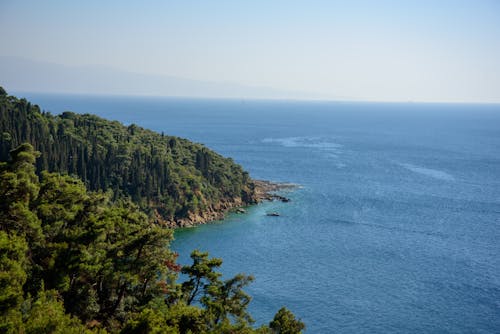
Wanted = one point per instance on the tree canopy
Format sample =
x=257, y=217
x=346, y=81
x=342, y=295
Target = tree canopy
x=170, y=178
x=77, y=261
x=81, y=247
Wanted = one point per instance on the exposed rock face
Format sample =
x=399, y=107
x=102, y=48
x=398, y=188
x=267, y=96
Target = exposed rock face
x=263, y=191
x=216, y=212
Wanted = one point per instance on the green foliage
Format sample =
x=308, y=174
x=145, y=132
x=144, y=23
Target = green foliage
x=284, y=322
x=169, y=177
x=18, y=186
x=80, y=261
x=12, y=278
x=46, y=315
x=224, y=301
x=104, y=258
x=160, y=318
x=201, y=275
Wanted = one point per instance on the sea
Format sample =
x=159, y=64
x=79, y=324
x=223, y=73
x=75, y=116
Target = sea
x=394, y=226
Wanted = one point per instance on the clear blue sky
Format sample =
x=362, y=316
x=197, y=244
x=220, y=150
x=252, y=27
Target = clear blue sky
x=439, y=50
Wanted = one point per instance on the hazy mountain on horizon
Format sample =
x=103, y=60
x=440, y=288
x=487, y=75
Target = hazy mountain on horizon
x=20, y=74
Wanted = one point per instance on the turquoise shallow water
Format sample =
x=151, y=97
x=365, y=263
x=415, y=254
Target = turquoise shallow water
x=395, y=227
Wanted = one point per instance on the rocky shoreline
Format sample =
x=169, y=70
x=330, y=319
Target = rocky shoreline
x=264, y=191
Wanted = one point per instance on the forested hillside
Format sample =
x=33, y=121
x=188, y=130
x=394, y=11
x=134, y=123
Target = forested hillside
x=75, y=261
x=173, y=179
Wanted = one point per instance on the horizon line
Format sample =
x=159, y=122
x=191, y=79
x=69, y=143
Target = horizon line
x=270, y=99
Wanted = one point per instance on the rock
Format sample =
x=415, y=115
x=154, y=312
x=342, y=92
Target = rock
x=272, y=214
x=282, y=198
x=266, y=190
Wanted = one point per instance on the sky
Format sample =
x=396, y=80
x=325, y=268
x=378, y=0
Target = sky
x=421, y=51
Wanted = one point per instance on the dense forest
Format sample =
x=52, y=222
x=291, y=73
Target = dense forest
x=81, y=248
x=170, y=178
x=79, y=261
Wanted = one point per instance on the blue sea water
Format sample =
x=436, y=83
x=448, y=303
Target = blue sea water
x=395, y=227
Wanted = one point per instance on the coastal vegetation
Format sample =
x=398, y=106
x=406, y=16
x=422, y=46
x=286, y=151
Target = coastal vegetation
x=77, y=259
x=176, y=181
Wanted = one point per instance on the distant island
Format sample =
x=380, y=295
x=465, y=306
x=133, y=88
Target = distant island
x=86, y=207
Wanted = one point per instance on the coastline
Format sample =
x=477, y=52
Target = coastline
x=264, y=191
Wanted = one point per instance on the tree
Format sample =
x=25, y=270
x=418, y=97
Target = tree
x=78, y=261
x=18, y=187
x=284, y=322
x=225, y=301
x=46, y=315
x=105, y=259
x=201, y=275
x=168, y=177
x=160, y=318
x=12, y=278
